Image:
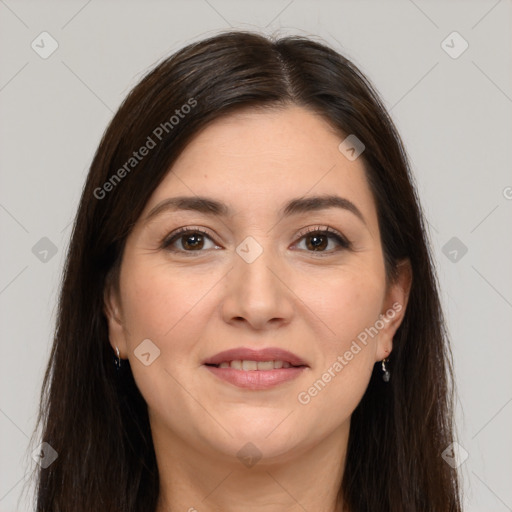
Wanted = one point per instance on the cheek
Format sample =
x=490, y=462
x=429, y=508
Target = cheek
x=349, y=305
x=167, y=307
x=334, y=392
x=158, y=301
x=346, y=302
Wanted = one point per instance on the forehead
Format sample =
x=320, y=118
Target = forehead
x=257, y=160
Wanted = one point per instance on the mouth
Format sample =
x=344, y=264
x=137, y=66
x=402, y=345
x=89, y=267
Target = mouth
x=255, y=359
x=250, y=366
x=255, y=369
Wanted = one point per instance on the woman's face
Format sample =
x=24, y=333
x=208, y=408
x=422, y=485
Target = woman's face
x=258, y=272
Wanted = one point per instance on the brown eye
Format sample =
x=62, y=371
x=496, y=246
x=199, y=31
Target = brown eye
x=193, y=241
x=324, y=241
x=316, y=242
x=188, y=240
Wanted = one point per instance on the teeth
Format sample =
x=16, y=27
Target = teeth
x=249, y=365
x=255, y=365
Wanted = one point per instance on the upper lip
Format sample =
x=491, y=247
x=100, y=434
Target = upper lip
x=248, y=354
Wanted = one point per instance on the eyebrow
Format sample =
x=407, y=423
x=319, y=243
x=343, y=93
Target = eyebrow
x=296, y=206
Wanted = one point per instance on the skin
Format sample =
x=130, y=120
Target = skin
x=195, y=306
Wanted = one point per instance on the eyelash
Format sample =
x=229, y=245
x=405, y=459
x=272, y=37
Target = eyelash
x=322, y=230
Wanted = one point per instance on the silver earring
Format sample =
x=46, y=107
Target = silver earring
x=385, y=372
x=118, y=363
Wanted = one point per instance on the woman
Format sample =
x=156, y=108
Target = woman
x=249, y=318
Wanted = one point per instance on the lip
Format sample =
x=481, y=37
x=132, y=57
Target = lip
x=248, y=354
x=256, y=379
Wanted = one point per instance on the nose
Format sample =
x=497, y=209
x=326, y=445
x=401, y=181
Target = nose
x=257, y=293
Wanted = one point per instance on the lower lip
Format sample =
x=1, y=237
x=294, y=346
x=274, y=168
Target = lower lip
x=256, y=379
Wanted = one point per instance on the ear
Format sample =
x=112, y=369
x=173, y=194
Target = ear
x=113, y=313
x=394, y=307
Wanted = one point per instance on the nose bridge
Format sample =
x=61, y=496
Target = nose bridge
x=253, y=270
x=256, y=291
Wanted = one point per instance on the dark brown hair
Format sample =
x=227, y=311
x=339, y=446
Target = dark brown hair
x=98, y=422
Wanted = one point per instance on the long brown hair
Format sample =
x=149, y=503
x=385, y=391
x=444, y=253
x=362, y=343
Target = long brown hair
x=97, y=421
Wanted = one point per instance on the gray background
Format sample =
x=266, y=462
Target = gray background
x=454, y=115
